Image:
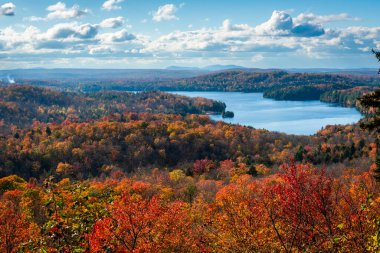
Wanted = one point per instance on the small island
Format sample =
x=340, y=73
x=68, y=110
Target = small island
x=228, y=114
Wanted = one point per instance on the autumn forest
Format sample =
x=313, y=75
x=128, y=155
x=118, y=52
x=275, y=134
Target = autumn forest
x=87, y=170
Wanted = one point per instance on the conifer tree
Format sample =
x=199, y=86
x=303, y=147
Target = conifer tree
x=372, y=122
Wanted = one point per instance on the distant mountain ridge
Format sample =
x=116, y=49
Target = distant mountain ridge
x=207, y=68
x=171, y=72
x=91, y=74
x=355, y=71
x=213, y=68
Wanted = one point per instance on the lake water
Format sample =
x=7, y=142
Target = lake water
x=292, y=117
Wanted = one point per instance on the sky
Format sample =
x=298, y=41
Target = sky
x=157, y=34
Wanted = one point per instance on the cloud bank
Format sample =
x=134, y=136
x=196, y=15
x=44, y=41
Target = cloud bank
x=306, y=35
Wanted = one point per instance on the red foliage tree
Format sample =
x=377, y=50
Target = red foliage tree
x=301, y=209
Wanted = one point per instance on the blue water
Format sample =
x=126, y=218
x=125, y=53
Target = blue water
x=292, y=117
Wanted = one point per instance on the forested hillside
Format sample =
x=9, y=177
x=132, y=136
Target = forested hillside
x=228, y=80
x=247, y=81
x=348, y=97
x=303, y=93
x=145, y=172
x=131, y=141
x=185, y=183
x=21, y=105
x=276, y=84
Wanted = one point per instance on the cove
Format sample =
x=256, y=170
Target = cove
x=291, y=117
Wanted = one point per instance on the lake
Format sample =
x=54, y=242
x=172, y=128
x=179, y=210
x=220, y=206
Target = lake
x=291, y=117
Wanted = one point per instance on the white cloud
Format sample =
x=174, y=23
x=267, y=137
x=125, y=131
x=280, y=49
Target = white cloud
x=102, y=49
x=60, y=11
x=110, y=5
x=165, y=12
x=281, y=24
x=257, y=58
x=228, y=26
x=8, y=9
x=72, y=31
x=112, y=22
x=18, y=40
x=119, y=36
x=320, y=19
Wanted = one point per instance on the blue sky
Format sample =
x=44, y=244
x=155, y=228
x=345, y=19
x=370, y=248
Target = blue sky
x=157, y=34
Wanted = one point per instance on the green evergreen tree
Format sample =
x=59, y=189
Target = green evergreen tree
x=372, y=122
x=48, y=131
x=299, y=155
